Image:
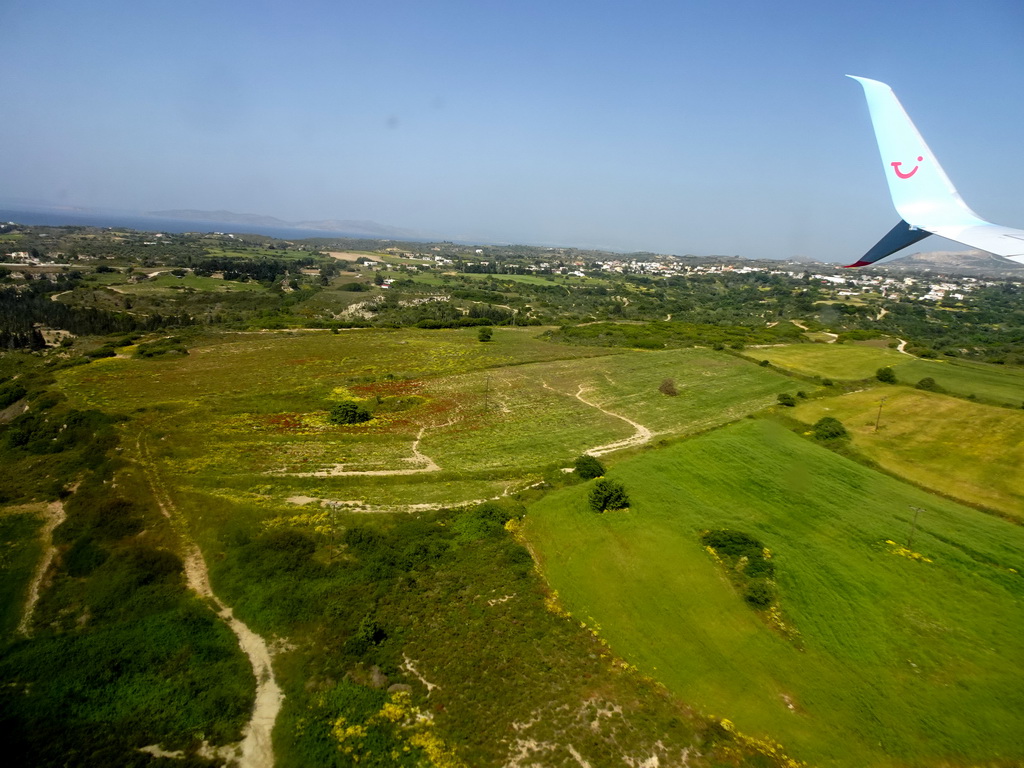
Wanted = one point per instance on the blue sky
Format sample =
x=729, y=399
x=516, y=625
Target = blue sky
x=677, y=127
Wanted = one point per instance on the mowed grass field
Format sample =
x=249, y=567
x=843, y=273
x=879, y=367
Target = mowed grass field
x=899, y=662
x=831, y=361
x=965, y=450
x=996, y=384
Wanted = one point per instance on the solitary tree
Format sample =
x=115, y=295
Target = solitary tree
x=588, y=467
x=886, y=375
x=484, y=334
x=608, y=494
x=787, y=400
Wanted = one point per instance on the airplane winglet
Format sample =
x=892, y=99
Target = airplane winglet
x=922, y=194
x=898, y=238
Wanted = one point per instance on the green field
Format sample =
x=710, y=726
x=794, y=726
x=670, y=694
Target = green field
x=898, y=661
x=835, y=361
x=916, y=430
x=994, y=383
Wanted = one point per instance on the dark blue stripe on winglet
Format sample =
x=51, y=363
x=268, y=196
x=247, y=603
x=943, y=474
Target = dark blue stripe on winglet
x=899, y=237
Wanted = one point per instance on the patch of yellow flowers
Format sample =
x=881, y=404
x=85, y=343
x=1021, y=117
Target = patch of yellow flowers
x=898, y=549
x=766, y=747
x=409, y=721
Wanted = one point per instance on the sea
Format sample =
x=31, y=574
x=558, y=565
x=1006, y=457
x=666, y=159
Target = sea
x=153, y=224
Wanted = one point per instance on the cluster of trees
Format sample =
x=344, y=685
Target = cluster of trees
x=349, y=412
x=21, y=311
x=32, y=339
x=260, y=270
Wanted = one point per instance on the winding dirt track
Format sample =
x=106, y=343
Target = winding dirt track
x=338, y=470
x=256, y=749
x=641, y=436
x=54, y=516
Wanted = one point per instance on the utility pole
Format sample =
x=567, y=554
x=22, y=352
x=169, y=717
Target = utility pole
x=879, y=417
x=913, y=527
x=487, y=392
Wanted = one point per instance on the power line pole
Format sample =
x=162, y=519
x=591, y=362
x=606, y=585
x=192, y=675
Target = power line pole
x=913, y=527
x=879, y=417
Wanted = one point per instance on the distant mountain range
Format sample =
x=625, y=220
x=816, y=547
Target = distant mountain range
x=347, y=227
x=957, y=263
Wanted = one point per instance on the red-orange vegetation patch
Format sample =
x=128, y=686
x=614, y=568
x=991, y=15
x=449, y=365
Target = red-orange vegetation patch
x=285, y=422
x=393, y=388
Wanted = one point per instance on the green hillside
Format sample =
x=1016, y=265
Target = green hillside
x=898, y=661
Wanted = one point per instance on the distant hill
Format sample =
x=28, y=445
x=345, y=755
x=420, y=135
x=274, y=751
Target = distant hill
x=344, y=226
x=971, y=263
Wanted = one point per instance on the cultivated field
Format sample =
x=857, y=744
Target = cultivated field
x=962, y=449
x=834, y=361
x=995, y=384
x=898, y=660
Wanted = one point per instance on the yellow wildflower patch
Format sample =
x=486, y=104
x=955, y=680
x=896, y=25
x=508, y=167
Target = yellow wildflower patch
x=899, y=549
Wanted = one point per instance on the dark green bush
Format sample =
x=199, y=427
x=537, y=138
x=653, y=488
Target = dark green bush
x=608, y=494
x=759, y=594
x=733, y=544
x=829, y=428
x=349, y=412
x=588, y=467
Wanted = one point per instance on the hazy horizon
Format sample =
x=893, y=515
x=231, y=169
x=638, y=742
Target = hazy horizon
x=667, y=127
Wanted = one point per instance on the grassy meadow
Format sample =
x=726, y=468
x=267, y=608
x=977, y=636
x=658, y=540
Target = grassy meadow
x=244, y=415
x=996, y=384
x=915, y=433
x=831, y=361
x=897, y=660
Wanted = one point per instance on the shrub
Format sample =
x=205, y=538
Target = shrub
x=11, y=393
x=170, y=346
x=668, y=387
x=929, y=384
x=886, y=375
x=608, y=494
x=349, y=412
x=484, y=334
x=734, y=544
x=829, y=428
x=759, y=594
x=588, y=467
x=787, y=400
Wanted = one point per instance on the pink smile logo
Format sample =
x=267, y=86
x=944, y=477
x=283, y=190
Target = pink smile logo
x=896, y=167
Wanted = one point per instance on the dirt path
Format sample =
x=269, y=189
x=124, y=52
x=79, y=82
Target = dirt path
x=803, y=327
x=256, y=749
x=902, y=347
x=428, y=464
x=641, y=436
x=54, y=516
